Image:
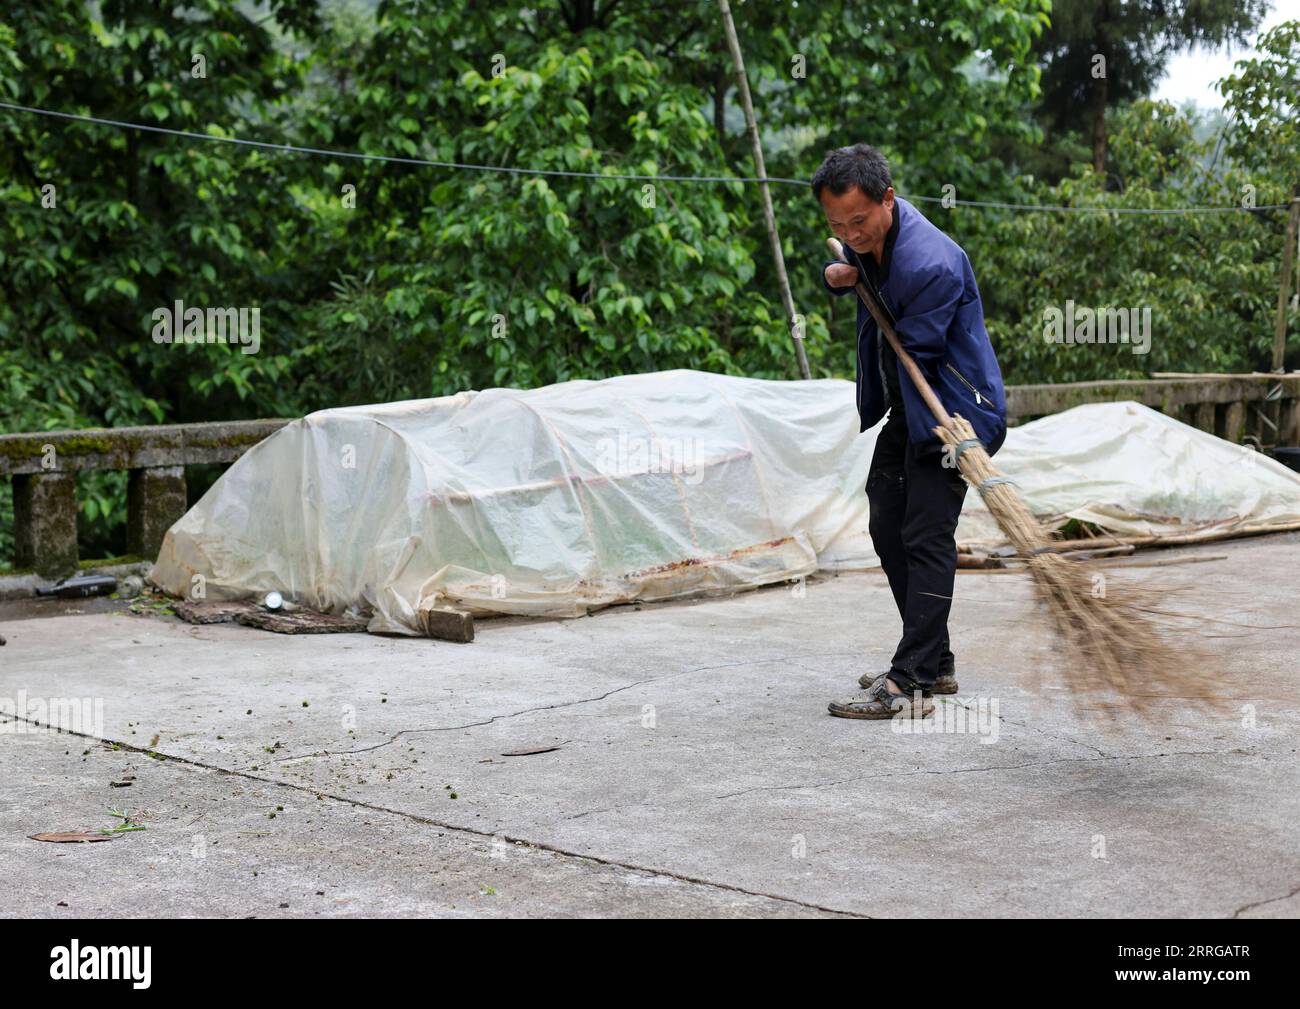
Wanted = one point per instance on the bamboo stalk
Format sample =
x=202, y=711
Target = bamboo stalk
x=1271, y=376
x=778, y=258
x=1183, y=539
x=1164, y=562
x=1283, y=292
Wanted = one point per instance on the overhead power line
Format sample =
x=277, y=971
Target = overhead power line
x=631, y=177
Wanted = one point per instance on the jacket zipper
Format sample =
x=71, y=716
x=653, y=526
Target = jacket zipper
x=978, y=398
x=880, y=339
x=861, y=375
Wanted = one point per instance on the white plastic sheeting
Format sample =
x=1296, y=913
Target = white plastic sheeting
x=557, y=500
x=546, y=501
x=1135, y=472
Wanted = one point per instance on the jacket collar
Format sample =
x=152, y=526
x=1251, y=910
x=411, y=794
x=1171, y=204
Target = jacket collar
x=887, y=253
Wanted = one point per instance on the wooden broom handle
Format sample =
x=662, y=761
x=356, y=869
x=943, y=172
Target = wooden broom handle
x=922, y=386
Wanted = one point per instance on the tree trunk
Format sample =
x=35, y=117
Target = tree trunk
x=720, y=82
x=1100, y=92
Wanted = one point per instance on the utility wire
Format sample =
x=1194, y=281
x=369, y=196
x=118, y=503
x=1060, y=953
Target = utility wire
x=293, y=149
x=290, y=148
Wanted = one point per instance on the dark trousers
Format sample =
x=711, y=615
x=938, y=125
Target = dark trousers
x=915, y=501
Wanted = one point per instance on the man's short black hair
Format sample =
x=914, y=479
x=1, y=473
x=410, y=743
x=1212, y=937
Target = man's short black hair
x=860, y=165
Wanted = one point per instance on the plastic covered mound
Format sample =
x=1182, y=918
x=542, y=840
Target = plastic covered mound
x=574, y=496
x=546, y=501
x=1132, y=471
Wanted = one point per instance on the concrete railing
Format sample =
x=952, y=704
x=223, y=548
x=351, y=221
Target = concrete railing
x=44, y=465
x=1263, y=407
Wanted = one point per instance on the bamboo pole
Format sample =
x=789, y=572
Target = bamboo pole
x=1274, y=414
x=742, y=84
x=1271, y=376
x=1283, y=292
x=1206, y=535
x=1106, y=562
x=887, y=331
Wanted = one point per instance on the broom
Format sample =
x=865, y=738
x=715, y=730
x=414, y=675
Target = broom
x=1116, y=646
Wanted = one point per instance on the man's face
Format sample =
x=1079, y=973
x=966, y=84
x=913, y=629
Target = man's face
x=857, y=220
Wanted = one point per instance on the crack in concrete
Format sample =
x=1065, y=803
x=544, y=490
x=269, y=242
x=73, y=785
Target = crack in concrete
x=1051, y=735
x=429, y=821
x=1261, y=903
x=547, y=707
x=467, y=725
x=589, y=812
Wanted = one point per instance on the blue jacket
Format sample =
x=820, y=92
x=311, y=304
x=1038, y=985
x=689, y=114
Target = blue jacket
x=930, y=290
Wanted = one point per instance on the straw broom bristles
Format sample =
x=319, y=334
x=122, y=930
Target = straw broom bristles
x=1113, y=643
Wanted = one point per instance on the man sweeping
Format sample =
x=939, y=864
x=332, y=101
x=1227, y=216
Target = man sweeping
x=924, y=283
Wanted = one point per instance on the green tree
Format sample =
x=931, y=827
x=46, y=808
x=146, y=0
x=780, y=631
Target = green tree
x=1098, y=54
x=1209, y=280
x=1262, y=100
x=100, y=225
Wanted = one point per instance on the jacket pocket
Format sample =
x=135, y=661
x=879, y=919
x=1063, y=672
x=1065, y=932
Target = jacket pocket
x=980, y=398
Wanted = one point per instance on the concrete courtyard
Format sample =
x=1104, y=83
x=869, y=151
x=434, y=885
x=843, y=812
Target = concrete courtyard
x=690, y=768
